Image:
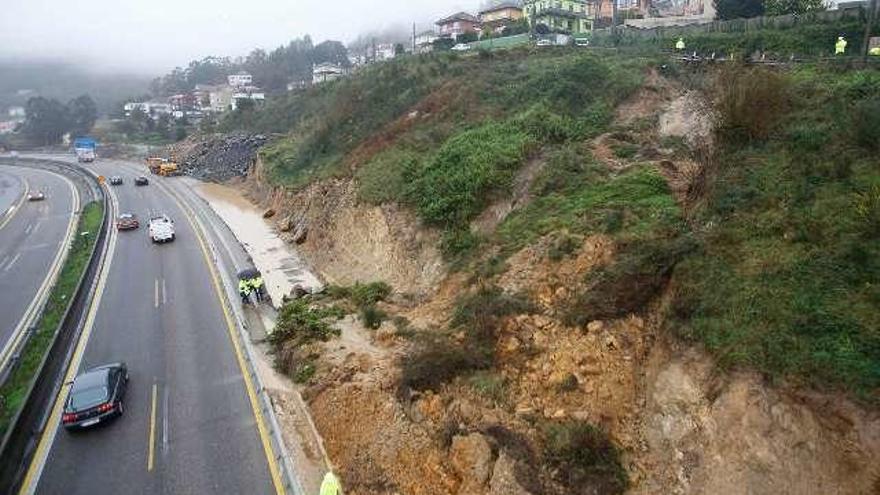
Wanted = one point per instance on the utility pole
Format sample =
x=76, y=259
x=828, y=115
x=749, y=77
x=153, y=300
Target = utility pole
x=414, y=39
x=869, y=28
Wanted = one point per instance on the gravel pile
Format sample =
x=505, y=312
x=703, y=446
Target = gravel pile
x=217, y=157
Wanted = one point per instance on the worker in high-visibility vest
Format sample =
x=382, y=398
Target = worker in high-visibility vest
x=259, y=290
x=679, y=45
x=840, y=46
x=330, y=485
x=244, y=290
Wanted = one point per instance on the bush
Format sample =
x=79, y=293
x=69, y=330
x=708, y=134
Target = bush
x=637, y=274
x=479, y=313
x=584, y=458
x=372, y=317
x=490, y=385
x=563, y=245
x=866, y=124
x=300, y=324
x=455, y=186
x=439, y=359
x=750, y=103
x=384, y=179
x=364, y=295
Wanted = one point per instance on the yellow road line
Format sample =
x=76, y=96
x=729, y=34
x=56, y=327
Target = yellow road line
x=152, y=448
x=15, y=207
x=47, y=437
x=274, y=471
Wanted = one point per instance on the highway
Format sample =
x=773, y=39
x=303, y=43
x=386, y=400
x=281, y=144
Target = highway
x=189, y=425
x=33, y=241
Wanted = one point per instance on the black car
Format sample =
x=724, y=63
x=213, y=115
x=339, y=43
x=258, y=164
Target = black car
x=141, y=181
x=115, y=180
x=95, y=396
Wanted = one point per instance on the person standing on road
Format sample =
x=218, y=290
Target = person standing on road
x=260, y=291
x=330, y=485
x=679, y=45
x=840, y=46
x=244, y=290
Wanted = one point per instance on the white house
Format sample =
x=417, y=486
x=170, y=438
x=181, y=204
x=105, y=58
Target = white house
x=240, y=80
x=16, y=112
x=152, y=108
x=384, y=51
x=249, y=93
x=326, y=72
x=220, y=99
x=425, y=41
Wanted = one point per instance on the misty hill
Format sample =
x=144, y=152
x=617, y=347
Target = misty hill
x=20, y=80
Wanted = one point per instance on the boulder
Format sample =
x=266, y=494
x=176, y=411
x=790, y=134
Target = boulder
x=504, y=478
x=471, y=456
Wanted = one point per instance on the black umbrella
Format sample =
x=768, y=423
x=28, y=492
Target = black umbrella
x=248, y=274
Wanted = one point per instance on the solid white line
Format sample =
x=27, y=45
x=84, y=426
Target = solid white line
x=11, y=211
x=164, y=293
x=156, y=293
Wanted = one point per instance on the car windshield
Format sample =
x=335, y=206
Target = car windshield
x=86, y=398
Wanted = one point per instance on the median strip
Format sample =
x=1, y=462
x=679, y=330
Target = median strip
x=13, y=392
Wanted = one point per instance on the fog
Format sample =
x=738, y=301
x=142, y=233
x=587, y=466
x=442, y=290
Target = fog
x=150, y=37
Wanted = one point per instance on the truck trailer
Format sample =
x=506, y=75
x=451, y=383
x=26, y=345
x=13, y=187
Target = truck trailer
x=85, y=149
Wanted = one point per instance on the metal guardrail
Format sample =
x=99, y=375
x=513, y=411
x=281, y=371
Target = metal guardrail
x=21, y=438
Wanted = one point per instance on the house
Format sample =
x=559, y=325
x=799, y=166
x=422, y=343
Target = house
x=458, y=24
x=183, y=102
x=240, y=80
x=498, y=17
x=151, y=108
x=247, y=93
x=383, y=51
x=425, y=41
x=572, y=16
x=16, y=112
x=220, y=99
x=326, y=72
x=8, y=127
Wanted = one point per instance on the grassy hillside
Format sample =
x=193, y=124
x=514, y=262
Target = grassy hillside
x=787, y=278
x=776, y=265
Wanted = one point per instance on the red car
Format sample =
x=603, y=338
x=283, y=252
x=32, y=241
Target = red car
x=127, y=221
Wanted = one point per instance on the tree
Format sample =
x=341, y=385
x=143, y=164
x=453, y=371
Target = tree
x=783, y=7
x=83, y=114
x=443, y=44
x=467, y=37
x=542, y=29
x=46, y=121
x=333, y=52
x=736, y=9
x=399, y=49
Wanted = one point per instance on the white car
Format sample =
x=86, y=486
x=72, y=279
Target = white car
x=36, y=196
x=544, y=42
x=161, y=229
x=461, y=47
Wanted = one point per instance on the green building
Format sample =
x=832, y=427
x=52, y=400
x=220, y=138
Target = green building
x=559, y=15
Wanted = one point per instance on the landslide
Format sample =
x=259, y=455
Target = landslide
x=605, y=279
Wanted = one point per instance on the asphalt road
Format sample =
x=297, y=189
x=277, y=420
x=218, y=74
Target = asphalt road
x=159, y=313
x=31, y=239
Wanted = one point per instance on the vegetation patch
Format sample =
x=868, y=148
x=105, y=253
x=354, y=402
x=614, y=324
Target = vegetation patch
x=786, y=279
x=584, y=459
x=363, y=299
x=12, y=394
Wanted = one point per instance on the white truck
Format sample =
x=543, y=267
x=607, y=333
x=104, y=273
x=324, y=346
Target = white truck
x=161, y=229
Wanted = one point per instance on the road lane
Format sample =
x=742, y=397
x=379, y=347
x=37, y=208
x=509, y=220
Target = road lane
x=160, y=314
x=32, y=242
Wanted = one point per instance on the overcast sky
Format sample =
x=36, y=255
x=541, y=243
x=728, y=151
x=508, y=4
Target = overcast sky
x=152, y=36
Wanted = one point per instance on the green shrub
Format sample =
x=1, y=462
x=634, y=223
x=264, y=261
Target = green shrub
x=301, y=324
x=304, y=372
x=490, y=385
x=584, y=459
x=372, y=317
x=437, y=360
x=384, y=179
x=866, y=124
x=364, y=295
x=479, y=312
x=625, y=150
x=636, y=276
x=563, y=245
x=750, y=102
x=455, y=186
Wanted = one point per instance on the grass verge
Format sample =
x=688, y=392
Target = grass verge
x=12, y=393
